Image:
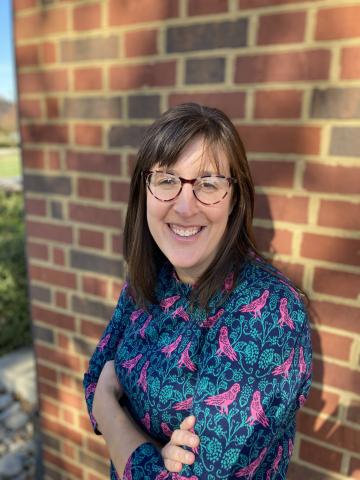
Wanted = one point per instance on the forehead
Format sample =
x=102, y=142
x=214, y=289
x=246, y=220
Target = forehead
x=198, y=157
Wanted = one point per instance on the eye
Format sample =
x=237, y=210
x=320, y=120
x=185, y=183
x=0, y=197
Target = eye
x=164, y=179
x=209, y=184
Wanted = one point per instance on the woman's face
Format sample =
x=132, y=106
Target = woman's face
x=186, y=231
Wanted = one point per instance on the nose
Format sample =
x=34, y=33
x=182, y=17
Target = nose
x=186, y=203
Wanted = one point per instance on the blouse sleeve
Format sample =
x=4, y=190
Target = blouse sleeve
x=247, y=396
x=245, y=401
x=104, y=351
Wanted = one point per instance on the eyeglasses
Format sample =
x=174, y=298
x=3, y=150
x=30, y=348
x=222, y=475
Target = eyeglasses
x=208, y=189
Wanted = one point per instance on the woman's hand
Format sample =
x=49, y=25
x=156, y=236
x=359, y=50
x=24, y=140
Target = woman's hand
x=107, y=385
x=173, y=454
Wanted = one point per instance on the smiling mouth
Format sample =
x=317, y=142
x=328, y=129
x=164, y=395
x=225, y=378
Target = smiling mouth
x=184, y=231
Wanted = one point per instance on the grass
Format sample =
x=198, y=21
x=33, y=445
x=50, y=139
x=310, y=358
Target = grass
x=10, y=163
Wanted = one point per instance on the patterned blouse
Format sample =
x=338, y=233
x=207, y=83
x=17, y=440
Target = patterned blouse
x=243, y=368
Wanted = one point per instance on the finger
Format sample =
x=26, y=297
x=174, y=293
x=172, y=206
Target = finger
x=188, y=422
x=184, y=437
x=177, y=454
x=172, y=465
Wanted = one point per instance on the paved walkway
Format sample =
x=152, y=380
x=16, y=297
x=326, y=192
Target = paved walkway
x=19, y=444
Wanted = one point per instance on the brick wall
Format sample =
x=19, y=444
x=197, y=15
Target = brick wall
x=91, y=76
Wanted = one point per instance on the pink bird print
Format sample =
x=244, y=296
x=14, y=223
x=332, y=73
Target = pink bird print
x=225, y=346
x=90, y=389
x=229, y=282
x=146, y=421
x=291, y=447
x=302, y=364
x=102, y=344
x=251, y=469
x=144, y=327
x=284, y=368
x=256, y=305
x=162, y=475
x=210, y=321
x=302, y=400
x=284, y=315
x=136, y=314
x=177, y=476
x=223, y=400
x=127, y=472
x=185, y=359
x=166, y=303
x=180, y=312
x=257, y=411
x=168, y=349
x=165, y=429
x=93, y=420
x=184, y=405
x=130, y=364
x=275, y=465
x=268, y=474
x=142, y=378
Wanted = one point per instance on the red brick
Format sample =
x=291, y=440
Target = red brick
x=272, y=173
x=335, y=315
x=350, y=63
x=54, y=160
x=120, y=191
x=281, y=139
x=88, y=135
x=58, y=256
x=33, y=158
x=319, y=455
x=98, y=447
x=36, y=250
x=281, y=208
x=278, y=104
x=339, y=214
x=30, y=108
x=52, y=107
x=42, y=82
x=35, y=206
x=331, y=249
x=331, y=179
x=333, y=375
x=27, y=55
x=281, y=28
x=44, y=133
x=331, y=282
x=278, y=241
x=322, y=401
x=22, y=4
x=117, y=244
x=69, y=361
x=294, y=271
x=123, y=12
x=204, y=7
x=43, y=23
x=63, y=464
x=63, y=342
x=46, y=373
x=69, y=451
x=93, y=162
x=95, y=286
x=49, y=408
x=338, y=22
x=232, y=103
x=332, y=345
x=161, y=74
x=86, y=17
x=91, y=238
x=90, y=188
x=88, y=79
x=48, y=52
x=330, y=432
x=53, y=276
x=283, y=67
x=108, y=217
x=91, y=329
x=139, y=43
x=354, y=468
x=59, y=233
x=61, y=300
x=244, y=4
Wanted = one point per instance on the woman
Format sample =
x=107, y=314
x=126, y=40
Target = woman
x=207, y=357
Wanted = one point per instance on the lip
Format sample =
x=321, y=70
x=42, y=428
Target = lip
x=191, y=239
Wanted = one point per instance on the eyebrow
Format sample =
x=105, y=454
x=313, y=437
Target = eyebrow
x=205, y=173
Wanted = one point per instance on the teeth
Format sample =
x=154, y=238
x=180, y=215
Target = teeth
x=185, y=232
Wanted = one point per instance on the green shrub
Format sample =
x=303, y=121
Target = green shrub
x=15, y=330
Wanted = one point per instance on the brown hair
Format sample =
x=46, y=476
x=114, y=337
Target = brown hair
x=164, y=141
